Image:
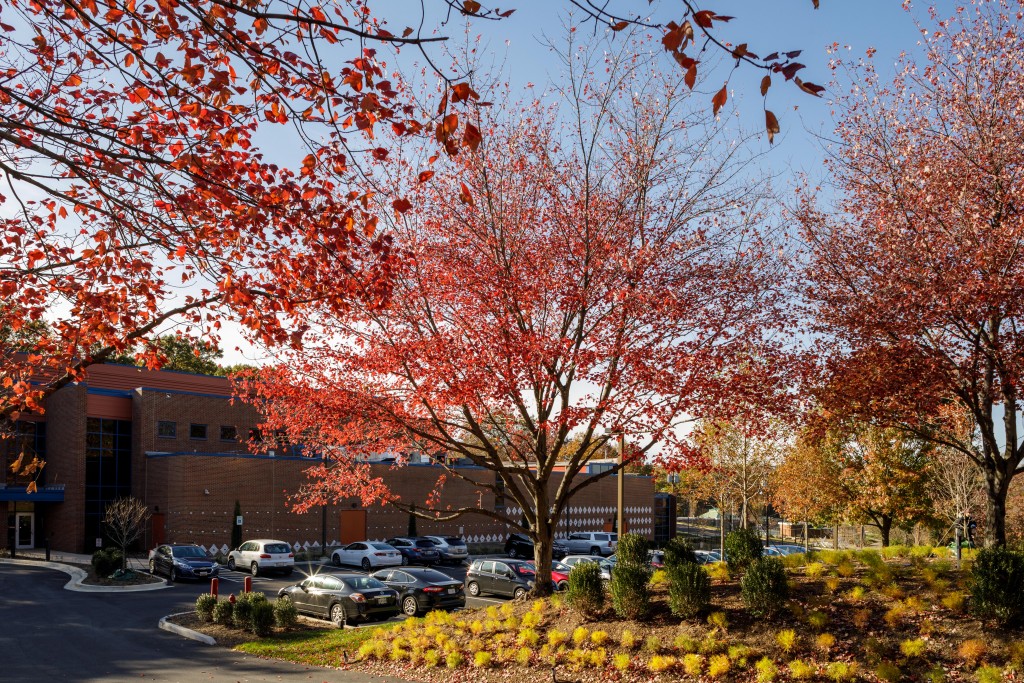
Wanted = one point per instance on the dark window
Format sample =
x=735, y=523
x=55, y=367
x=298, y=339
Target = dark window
x=108, y=455
x=228, y=433
x=197, y=431
x=166, y=429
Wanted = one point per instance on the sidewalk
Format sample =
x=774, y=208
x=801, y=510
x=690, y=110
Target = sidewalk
x=71, y=564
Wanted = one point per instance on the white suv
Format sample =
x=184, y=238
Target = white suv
x=592, y=543
x=262, y=554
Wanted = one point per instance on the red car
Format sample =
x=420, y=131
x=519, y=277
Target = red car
x=559, y=575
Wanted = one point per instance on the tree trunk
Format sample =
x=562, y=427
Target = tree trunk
x=997, y=484
x=743, y=513
x=885, y=527
x=807, y=536
x=542, y=546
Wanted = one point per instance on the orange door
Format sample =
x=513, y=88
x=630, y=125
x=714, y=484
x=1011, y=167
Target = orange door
x=353, y=526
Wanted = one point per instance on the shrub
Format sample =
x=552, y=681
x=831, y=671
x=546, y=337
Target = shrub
x=996, y=592
x=801, y=670
x=285, y=613
x=686, y=643
x=846, y=569
x=223, y=613
x=739, y=654
x=832, y=584
x=718, y=666
x=895, y=551
x=628, y=639
x=652, y=644
x=244, y=605
x=915, y=647
x=689, y=590
x=861, y=618
x=580, y=636
x=814, y=569
x=786, y=639
x=693, y=665
x=719, y=621
x=621, y=661
x=205, y=604
x=556, y=637
x=661, y=663
x=659, y=578
x=856, y=594
x=454, y=660
x=106, y=561
x=825, y=642
x=766, y=670
x=528, y=636
x=764, y=587
x=523, y=656
x=482, y=660
x=869, y=558
x=632, y=549
x=599, y=638
x=742, y=548
x=678, y=551
x=989, y=674
x=1015, y=655
x=261, y=621
x=586, y=591
x=841, y=671
x=630, y=588
x=717, y=571
x=935, y=675
x=888, y=672
x=817, y=620
x=795, y=560
x=954, y=601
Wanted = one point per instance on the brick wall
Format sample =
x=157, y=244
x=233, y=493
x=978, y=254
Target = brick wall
x=65, y=464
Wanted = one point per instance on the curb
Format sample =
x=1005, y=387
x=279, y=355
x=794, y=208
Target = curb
x=79, y=575
x=184, y=632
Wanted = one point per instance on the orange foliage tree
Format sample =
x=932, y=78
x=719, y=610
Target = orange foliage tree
x=588, y=270
x=916, y=279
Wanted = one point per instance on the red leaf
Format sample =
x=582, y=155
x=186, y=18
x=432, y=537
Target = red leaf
x=719, y=100
x=704, y=18
x=401, y=205
x=424, y=176
x=766, y=83
x=472, y=137
x=470, y=6
x=620, y=25
x=771, y=124
x=691, y=76
x=465, y=196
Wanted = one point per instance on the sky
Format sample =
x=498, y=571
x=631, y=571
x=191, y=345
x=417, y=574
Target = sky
x=767, y=26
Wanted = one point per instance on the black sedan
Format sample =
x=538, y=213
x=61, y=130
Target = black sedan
x=182, y=562
x=519, y=545
x=422, y=589
x=343, y=598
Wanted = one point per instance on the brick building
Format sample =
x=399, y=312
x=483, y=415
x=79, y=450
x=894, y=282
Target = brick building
x=176, y=441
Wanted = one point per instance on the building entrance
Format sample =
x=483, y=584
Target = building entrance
x=25, y=529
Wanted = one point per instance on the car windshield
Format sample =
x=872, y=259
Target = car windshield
x=381, y=546
x=189, y=551
x=363, y=582
x=559, y=567
x=431, y=576
x=278, y=548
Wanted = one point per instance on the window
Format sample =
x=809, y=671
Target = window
x=165, y=429
x=197, y=431
x=228, y=433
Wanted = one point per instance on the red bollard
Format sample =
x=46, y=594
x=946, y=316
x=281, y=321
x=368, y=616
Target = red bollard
x=231, y=598
x=214, y=585
x=247, y=584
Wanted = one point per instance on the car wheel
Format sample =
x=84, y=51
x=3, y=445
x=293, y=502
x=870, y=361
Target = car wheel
x=595, y=551
x=254, y=569
x=563, y=586
x=173, y=576
x=152, y=566
x=405, y=561
x=335, y=560
x=231, y=563
x=366, y=564
x=338, y=615
x=409, y=606
x=474, y=588
x=288, y=572
x=519, y=593
x=513, y=553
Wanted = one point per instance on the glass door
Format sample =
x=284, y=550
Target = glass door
x=24, y=522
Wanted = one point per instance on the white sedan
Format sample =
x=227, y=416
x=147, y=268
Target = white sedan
x=261, y=555
x=367, y=554
x=606, y=566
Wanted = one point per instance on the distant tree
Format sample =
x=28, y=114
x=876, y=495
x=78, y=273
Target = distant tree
x=805, y=485
x=124, y=521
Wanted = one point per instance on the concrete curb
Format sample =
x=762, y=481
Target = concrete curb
x=79, y=575
x=184, y=632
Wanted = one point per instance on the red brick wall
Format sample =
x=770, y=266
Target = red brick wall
x=65, y=464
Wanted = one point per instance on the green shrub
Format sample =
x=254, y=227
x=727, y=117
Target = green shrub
x=106, y=561
x=631, y=592
x=261, y=621
x=223, y=613
x=996, y=591
x=679, y=551
x=742, y=547
x=764, y=587
x=285, y=613
x=243, y=616
x=586, y=591
x=205, y=605
x=632, y=549
x=689, y=590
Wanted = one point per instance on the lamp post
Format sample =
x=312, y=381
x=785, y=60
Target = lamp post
x=621, y=485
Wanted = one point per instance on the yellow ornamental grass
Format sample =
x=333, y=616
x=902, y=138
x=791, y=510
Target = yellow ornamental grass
x=718, y=571
x=454, y=660
x=915, y=605
x=599, y=637
x=825, y=642
x=432, y=658
x=915, y=647
x=659, y=578
x=628, y=639
x=523, y=656
x=888, y=673
x=954, y=601
x=814, y=569
x=531, y=620
x=660, y=663
x=927, y=627
x=492, y=612
x=739, y=654
x=482, y=660
x=767, y=672
x=801, y=670
x=652, y=644
x=528, y=637
x=557, y=637
x=476, y=627
x=580, y=636
x=686, y=643
x=989, y=674
x=832, y=584
x=1015, y=655
x=475, y=645
x=972, y=651
x=846, y=569
x=693, y=665
x=786, y=639
x=935, y=675
x=719, y=621
x=841, y=671
x=817, y=620
x=621, y=661
x=718, y=666
x=598, y=658
x=510, y=624
x=856, y=594
x=380, y=649
x=894, y=617
x=538, y=606
x=892, y=591
x=507, y=609
x=861, y=618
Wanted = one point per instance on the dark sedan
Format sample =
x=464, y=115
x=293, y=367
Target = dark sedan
x=416, y=550
x=519, y=545
x=343, y=598
x=422, y=590
x=182, y=562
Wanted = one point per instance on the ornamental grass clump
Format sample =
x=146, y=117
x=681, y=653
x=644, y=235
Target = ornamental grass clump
x=915, y=647
x=888, y=672
x=628, y=639
x=840, y=672
x=972, y=651
x=801, y=671
x=787, y=640
x=825, y=642
x=989, y=674
x=718, y=666
x=766, y=670
x=693, y=665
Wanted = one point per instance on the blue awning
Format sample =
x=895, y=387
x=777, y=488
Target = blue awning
x=53, y=493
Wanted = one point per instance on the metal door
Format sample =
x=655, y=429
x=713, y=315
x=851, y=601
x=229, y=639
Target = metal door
x=25, y=523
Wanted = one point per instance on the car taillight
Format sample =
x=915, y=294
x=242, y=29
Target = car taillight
x=358, y=597
x=291, y=554
x=264, y=556
x=381, y=554
x=433, y=589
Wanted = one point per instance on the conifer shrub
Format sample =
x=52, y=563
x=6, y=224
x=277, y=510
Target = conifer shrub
x=689, y=590
x=586, y=590
x=742, y=548
x=764, y=587
x=285, y=613
x=106, y=561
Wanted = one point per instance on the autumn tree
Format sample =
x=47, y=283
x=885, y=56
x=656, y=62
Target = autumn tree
x=805, y=484
x=593, y=268
x=915, y=278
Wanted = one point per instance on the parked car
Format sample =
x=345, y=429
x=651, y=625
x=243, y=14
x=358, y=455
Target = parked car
x=591, y=543
x=789, y=549
x=343, y=598
x=451, y=548
x=366, y=554
x=559, y=574
x=656, y=558
x=502, y=577
x=606, y=566
x=707, y=556
x=772, y=551
x=261, y=555
x=519, y=545
x=182, y=562
x=421, y=589
x=416, y=550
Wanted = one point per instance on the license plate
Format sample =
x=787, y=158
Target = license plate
x=451, y=591
x=382, y=600
x=201, y=572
